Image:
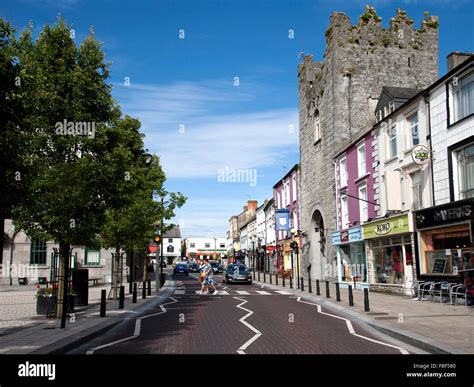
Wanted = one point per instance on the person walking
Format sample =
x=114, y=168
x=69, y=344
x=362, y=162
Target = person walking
x=209, y=278
x=202, y=276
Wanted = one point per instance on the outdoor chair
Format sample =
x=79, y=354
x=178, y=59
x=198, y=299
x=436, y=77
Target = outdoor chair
x=423, y=289
x=458, y=291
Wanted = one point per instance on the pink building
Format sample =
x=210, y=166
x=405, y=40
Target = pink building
x=355, y=191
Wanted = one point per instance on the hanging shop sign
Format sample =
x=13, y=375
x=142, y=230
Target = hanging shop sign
x=283, y=220
x=385, y=227
x=453, y=212
x=421, y=154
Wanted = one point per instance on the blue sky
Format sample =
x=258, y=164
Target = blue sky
x=196, y=115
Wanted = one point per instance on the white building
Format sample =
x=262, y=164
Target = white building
x=210, y=247
x=270, y=234
x=260, y=225
x=444, y=232
x=172, y=245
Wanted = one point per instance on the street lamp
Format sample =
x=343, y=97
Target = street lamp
x=294, y=248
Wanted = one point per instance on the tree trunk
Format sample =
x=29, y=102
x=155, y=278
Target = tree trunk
x=116, y=273
x=64, y=249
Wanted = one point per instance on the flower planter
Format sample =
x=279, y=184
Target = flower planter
x=47, y=305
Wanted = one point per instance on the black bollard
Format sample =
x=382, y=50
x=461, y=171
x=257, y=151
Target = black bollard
x=327, y=290
x=291, y=281
x=102, y=303
x=351, y=296
x=276, y=279
x=264, y=277
x=318, y=290
x=122, y=297
x=338, y=292
x=259, y=276
x=144, y=290
x=270, y=278
x=355, y=286
x=366, y=300
x=130, y=287
x=134, y=298
x=283, y=280
x=302, y=284
x=310, y=290
x=149, y=286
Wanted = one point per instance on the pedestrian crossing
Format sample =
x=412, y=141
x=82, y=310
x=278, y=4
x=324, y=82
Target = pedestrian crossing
x=232, y=292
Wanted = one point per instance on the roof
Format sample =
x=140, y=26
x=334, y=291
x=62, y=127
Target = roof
x=269, y=203
x=173, y=233
x=295, y=167
x=251, y=219
x=392, y=93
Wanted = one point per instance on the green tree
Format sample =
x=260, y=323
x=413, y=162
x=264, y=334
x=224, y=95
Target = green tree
x=69, y=104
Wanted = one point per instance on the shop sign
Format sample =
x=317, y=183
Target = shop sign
x=445, y=214
x=421, y=154
x=282, y=220
x=397, y=225
x=351, y=235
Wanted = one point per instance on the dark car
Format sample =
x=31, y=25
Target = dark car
x=181, y=268
x=236, y=274
x=216, y=267
x=193, y=267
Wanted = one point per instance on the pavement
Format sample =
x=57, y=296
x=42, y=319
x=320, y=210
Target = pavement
x=22, y=331
x=428, y=325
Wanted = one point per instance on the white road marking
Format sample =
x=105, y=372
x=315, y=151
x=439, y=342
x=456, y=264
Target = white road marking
x=138, y=324
x=351, y=328
x=223, y=292
x=244, y=346
x=242, y=292
x=282, y=292
x=180, y=291
x=263, y=292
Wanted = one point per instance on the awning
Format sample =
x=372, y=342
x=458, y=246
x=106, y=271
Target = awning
x=152, y=249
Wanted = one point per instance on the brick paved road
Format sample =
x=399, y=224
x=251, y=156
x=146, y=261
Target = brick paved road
x=209, y=324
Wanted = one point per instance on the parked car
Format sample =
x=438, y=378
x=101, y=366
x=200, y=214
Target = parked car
x=216, y=267
x=193, y=267
x=181, y=268
x=237, y=273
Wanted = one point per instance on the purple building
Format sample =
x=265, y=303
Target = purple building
x=286, y=196
x=354, y=175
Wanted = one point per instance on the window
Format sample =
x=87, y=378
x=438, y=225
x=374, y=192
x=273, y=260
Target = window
x=222, y=245
x=417, y=191
x=363, y=205
x=392, y=141
x=463, y=90
x=192, y=245
x=344, y=212
x=92, y=257
x=293, y=188
x=465, y=164
x=391, y=106
x=317, y=127
x=415, y=136
x=207, y=245
x=361, y=160
x=170, y=249
x=379, y=115
x=343, y=172
x=38, y=252
x=170, y=240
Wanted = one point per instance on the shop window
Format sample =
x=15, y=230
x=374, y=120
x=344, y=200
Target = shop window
x=38, y=252
x=353, y=262
x=388, y=265
x=444, y=250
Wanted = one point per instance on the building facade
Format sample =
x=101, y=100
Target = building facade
x=286, y=198
x=337, y=99
x=270, y=236
x=445, y=231
x=205, y=247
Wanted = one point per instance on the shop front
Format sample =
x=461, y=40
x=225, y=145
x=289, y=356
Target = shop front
x=351, y=257
x=444, y=241
x=390, y=254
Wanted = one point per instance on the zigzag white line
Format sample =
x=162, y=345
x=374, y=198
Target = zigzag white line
x=244, y=346
x=351, y=328
x=136, y=333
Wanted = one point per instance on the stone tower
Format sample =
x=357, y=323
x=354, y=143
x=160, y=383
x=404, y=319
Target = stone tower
x=336, y=101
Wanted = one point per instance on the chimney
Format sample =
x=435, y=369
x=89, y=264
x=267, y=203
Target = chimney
x=252, y=205
x=456, y=58
x=246, y=208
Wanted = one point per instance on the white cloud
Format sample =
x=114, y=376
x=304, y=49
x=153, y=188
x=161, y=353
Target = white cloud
x=214, y=136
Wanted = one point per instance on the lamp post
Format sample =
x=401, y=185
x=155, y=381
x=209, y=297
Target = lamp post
x=294, y=248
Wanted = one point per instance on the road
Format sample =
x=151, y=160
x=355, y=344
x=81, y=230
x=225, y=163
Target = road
x=241, y=319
